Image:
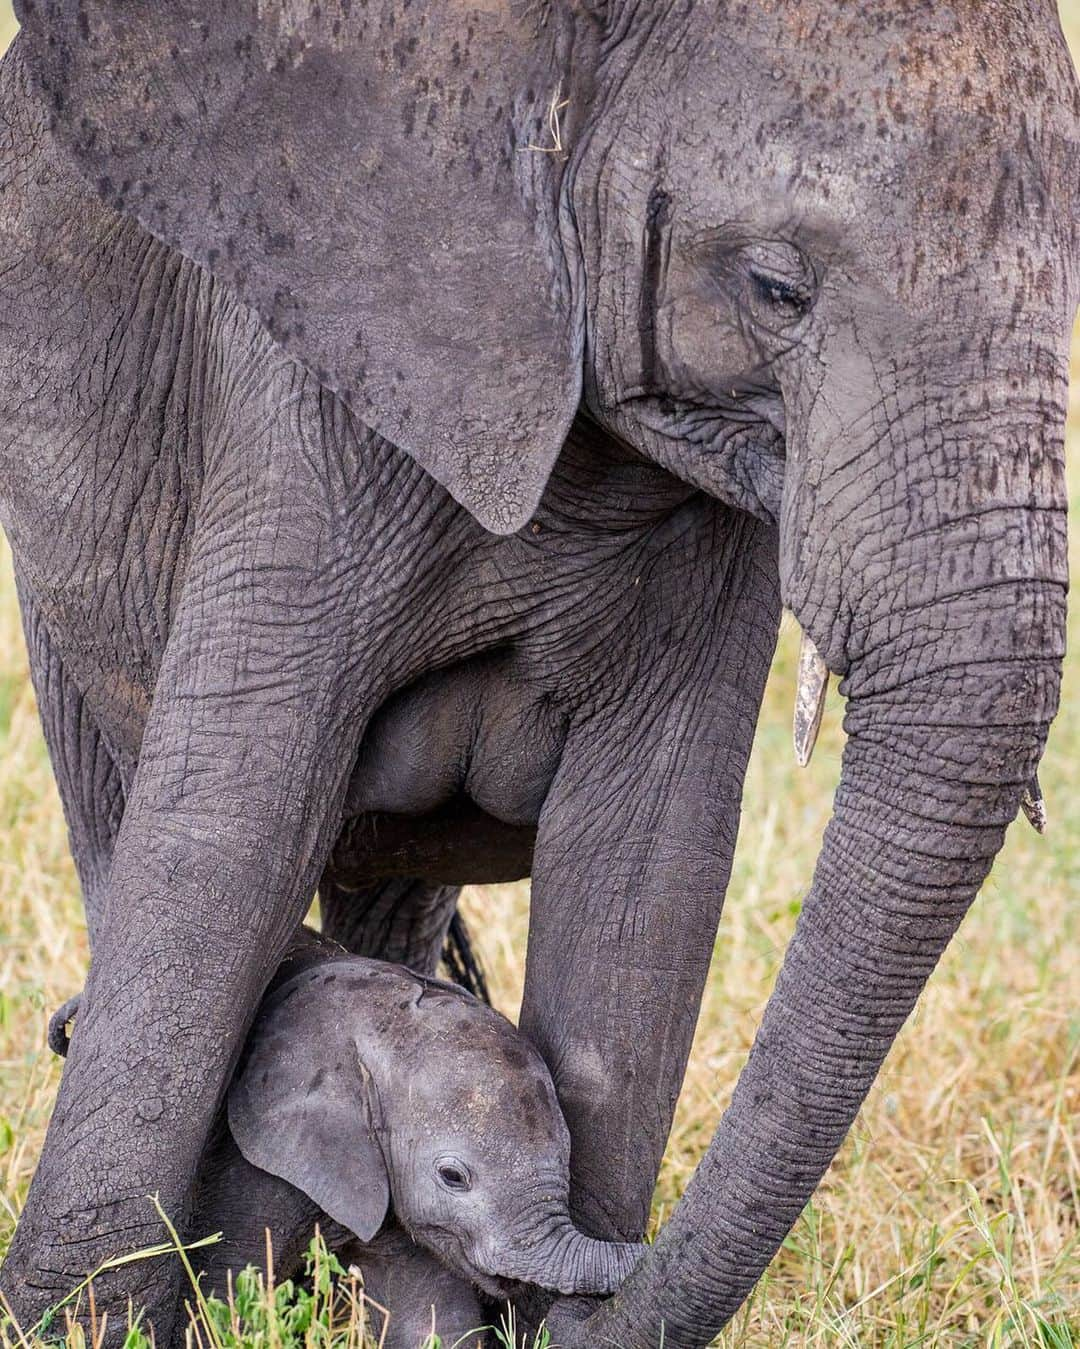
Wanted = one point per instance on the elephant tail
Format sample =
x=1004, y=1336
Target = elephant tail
x=461, y=960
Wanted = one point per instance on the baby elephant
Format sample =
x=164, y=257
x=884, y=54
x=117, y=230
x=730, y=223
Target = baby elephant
x=368, y=1093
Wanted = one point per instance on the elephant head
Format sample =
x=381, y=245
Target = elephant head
x=366, y=1086
x=816, y=259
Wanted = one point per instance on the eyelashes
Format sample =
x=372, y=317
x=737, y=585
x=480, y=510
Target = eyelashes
x=781, y=282
x=771, y=280
x=788, y=298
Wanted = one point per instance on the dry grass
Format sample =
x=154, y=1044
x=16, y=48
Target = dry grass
x=951, y=1215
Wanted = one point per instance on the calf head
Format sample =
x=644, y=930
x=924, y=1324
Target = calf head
x=365, y=1086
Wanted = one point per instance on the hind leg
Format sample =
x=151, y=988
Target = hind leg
x=400, y=920
x=409, y=922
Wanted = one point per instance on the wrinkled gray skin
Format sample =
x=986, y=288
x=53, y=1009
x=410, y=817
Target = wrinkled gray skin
x=689, y=309
x=386, y=1105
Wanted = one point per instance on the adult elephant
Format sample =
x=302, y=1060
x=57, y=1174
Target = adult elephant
x=413, y=416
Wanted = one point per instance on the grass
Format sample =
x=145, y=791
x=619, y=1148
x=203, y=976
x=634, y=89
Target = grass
x=325, y=1306
x=952, y=1215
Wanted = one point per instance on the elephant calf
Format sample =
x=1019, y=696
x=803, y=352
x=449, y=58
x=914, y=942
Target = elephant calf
x=366, y=1087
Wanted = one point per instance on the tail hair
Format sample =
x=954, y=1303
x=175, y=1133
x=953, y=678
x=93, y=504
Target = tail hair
x=461, y=961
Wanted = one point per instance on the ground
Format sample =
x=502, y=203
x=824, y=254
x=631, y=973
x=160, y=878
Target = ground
x=952, y=1215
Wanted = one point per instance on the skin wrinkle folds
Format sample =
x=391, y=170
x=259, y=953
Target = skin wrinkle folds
x=554, y=656
x=786, y=321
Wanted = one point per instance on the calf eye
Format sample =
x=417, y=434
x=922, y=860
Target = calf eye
x=453, y=1175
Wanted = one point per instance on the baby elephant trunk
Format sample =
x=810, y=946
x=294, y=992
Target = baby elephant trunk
x=570, y=1262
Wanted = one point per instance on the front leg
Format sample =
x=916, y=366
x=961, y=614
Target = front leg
x=214, y=865
x=267, y=680
x=633, y=856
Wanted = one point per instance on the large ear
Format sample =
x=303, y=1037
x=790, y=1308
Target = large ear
x=378, y=180
x=304, y=1107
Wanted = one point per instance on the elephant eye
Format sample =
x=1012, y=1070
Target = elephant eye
x=780, y=294
x=453, y=1175
x=781, y=282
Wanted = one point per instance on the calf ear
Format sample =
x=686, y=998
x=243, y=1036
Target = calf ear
x=378, y=180
x=304, y=1108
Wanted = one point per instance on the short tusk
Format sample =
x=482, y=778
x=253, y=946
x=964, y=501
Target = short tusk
x=1033, y=805
x=809, y=699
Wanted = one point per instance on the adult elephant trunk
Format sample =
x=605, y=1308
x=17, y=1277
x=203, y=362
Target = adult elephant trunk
x=941, y=596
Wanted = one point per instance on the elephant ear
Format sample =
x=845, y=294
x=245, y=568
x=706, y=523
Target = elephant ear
x=304, y=1107
x=359, y=173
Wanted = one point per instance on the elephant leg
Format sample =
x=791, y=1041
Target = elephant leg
x=245, y=1204
x=87, y=777
x=402, y=920
x=270, y=673
x=201, y=900
x=633, y=856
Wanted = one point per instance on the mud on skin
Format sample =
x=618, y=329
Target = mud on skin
x=411, y=507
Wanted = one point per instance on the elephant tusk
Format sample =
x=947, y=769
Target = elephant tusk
x=1033, y=806
x=809, y=699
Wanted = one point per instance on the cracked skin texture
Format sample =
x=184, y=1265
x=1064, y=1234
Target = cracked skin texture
x=789, y=318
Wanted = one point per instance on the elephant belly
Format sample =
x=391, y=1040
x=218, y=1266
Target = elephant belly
x=450, y=780
x=455, y=844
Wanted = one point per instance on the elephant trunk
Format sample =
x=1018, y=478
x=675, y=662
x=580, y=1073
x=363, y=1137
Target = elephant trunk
x=569, y=1262
x=950, y=694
